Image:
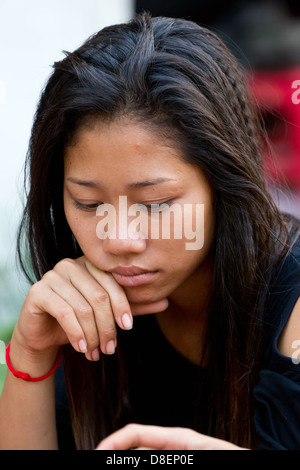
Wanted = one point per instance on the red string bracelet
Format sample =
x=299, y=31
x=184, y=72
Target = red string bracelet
x=27, y=377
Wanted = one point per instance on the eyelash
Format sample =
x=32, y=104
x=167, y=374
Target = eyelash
x=86, y=207
x=92, y=207
x=157, y=205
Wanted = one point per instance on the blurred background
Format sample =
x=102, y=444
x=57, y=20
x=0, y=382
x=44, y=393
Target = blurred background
x=264, y=36
x=33, y=34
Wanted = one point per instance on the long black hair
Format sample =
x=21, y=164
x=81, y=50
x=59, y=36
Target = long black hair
x=178, y=78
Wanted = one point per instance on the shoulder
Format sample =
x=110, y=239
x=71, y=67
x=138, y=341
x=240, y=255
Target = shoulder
x=290, y=336
x=277, y=392
x=289, y=340
x=283, y=313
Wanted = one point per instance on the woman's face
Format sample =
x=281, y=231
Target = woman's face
x=151, y=251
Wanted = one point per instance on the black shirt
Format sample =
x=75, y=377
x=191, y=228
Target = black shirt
x=277, y=394
x=164, y=391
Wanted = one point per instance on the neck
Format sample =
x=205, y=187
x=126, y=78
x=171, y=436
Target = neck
x=191, y=299
x=184, y=322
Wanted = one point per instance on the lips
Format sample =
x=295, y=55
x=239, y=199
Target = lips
x=129, y=270
x=130, y=276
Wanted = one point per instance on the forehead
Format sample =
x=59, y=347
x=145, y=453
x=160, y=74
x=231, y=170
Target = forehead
x=121, y=157
x=122, y=146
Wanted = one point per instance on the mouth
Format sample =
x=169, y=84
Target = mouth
x=130, y=276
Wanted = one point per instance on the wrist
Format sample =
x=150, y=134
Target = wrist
x=32, y=345
x=30, y=361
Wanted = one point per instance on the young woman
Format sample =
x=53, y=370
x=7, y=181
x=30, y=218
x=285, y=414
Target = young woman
x=167, y=342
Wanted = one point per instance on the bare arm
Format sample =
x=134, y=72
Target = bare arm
x=27, y=409
x=291, y=333
x=74, y=303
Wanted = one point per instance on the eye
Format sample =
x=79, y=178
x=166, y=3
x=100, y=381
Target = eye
x=86, y=207
x=157, y=207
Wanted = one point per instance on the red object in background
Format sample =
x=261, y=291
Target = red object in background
x=277, y=100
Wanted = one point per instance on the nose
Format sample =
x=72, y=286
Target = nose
x=124, y=246
x=121, y=236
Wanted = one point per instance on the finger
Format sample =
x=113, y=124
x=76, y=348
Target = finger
x=105, y=321
x=144, y=309
x=118, y=299
x=93, y=286
x=161, y=438
x=134, y=435
x=81, y=307
x=54, y=305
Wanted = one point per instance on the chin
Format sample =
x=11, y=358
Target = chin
x=136, y=295
x=147, y=295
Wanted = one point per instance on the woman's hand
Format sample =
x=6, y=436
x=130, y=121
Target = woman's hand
x=144, y=437
x=79, y=304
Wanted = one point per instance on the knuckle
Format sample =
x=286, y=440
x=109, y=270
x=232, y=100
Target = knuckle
x=65, y=311
x=130, y=426
x=93, y=343
x=64, y=264
x=133, y=428
x=108, y=332
x=35, y=287
x=85, y=311
x=35, y=292
x=49, y=276
x=101, y=297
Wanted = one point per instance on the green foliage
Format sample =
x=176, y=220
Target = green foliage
x=12, y=293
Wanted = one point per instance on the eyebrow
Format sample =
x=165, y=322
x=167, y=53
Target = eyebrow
x=136, y=185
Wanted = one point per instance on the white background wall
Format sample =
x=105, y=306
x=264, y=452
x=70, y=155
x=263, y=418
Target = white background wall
x=33, y=34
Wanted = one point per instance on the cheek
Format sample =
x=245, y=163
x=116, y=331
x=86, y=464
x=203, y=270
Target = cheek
x=198, y=227
x=84, y=230
x=73, y=222
x=197, y=244
x=175, y=259
x=188, y=234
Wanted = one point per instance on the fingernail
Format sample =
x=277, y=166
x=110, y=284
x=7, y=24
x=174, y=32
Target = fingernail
x=95, y=354
x=82, y=346
x=127, y=321
x=110, y=347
